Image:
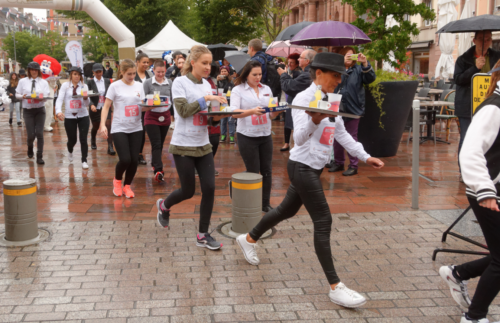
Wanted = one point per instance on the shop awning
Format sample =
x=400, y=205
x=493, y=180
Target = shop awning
x=421, y=45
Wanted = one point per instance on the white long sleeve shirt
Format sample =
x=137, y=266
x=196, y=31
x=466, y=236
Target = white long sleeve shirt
x=73, y=108
x=24, y=88
x=314, y=143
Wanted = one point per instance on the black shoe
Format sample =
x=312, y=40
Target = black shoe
x=110, y=150
x=19, y=124
x=142, y=161
x=93, y=144
x=336, y=168
x=267, y=208
x=39, y=160
x=10, y=121
x=30, y=153
x=285, y=149
x=350, y=171
x=330, y=164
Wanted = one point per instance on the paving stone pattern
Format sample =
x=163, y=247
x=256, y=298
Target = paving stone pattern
x=135, y=271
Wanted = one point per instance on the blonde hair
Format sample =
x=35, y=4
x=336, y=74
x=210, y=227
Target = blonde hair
x=125, y=65
x=196, y=52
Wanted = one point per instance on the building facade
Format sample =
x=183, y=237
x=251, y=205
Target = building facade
x=311, y=10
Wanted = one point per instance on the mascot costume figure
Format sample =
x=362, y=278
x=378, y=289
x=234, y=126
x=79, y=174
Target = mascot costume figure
x=50, y=68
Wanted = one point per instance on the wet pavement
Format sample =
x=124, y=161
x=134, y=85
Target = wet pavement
x=66, y=192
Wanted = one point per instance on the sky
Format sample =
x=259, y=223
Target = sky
x=39, y=13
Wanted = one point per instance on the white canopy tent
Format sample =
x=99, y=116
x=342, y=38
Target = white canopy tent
x=169, y=38
x=447, y=13
x=390, y=22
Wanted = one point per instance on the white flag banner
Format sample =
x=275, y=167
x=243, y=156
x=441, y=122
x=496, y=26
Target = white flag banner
x=75, y=53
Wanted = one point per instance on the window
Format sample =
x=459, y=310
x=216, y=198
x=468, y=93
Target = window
x=428, y=3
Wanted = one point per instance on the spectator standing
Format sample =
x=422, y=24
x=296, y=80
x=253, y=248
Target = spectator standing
x=225, y=81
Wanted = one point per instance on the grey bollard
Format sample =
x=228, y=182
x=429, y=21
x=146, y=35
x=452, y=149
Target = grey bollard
x=247, y=201
x=21, y=221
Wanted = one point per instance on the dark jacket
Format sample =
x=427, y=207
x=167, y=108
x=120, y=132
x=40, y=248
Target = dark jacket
x=293, y=86
x=12, y=90
x=92, y=86
x=225, y=84
x=148, y=73
x=108, y=73
x=174, y=73
x=168, y=74
x=352, y=89
x=465, y=68
x=262, y=58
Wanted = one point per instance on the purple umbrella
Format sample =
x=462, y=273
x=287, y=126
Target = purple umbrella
x=330, y=33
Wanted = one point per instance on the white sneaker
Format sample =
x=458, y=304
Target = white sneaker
x=458, y=288
x=48, y=129
x=465, y=320
x=346, y=297
x=172, y=126
x=70, y=157
x=85, y=165
x=248, y=249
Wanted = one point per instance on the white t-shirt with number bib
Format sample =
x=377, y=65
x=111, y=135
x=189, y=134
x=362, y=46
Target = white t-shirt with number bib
x=191, y=131
x=244, y=97
x=126, y=100
x=314, y=143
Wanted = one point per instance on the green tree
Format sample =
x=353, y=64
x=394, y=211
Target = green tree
x=272, y=14
x=97, y=48
x=28, y=46
x=223, y=21
x=396, y=38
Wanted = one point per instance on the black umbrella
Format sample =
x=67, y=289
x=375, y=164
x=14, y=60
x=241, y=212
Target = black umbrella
x=289, y=32
x=244, y=50
x=237, y=60
x=218, y=50
x=472, y=24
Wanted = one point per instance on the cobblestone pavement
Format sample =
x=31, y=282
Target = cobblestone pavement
x=135, y=271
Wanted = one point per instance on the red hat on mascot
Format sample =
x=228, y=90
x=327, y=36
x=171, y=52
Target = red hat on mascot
x=48, y=65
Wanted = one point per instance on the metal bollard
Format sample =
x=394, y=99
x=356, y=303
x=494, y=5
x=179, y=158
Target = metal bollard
x=21, y=222
x=247, y=201
x=416, y=156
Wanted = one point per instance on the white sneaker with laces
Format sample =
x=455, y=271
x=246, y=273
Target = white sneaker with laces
x=466, y=320
x=85, y=165
x=346, y=297
x=70, y=157
x=248, y=249
x=48, y=129
x=458, y=289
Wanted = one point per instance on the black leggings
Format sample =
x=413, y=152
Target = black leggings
x=257, y=154
x=214, y=141
x=305, y=189
x=72, y=126
x=35, y=121
x=95, y=118
x=143, y=133
x=127, y=147
x=288, y=133
x=156, y=136
x=488, y=267
x=185, y=168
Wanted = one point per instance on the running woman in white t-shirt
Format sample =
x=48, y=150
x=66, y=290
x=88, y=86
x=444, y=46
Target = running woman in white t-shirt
x=190, y=145
x=125, y=95
x=254, y=125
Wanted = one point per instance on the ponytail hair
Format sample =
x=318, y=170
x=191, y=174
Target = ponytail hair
x=125, y=65
x=495, y=77
x=194, y=55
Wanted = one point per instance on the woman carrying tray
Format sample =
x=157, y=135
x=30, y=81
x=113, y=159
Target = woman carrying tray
x=254, y=127
x=157, y=120
x=190, y=145
x=76, y=114
x=313, y=136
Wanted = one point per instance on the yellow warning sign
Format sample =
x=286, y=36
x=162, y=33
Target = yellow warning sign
x=480, y=85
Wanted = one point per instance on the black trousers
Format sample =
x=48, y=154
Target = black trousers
x=127, y=147
x=288, y=133
x=95, y=118
x=35, y=121
x=488, y=267
x=185, y=166
x=306, y=189
x=257, y=154
x=72, y=126
x=143, y=133
x=156, y=136
x=214, y=141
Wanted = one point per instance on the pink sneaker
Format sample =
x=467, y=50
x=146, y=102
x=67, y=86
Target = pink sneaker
x=117, y=187
x=127, y=191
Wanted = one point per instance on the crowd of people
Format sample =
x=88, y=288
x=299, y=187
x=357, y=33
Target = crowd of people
x=195, y=84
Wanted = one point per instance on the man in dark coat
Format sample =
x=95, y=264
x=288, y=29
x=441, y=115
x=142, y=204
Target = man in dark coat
x=478, y=59
x=175, y=56
x=293, y=86
x=108, y=72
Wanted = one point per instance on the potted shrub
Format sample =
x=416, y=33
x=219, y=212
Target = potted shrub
x=388, y=104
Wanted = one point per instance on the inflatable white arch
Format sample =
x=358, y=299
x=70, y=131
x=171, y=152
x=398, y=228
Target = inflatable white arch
x=96, y=9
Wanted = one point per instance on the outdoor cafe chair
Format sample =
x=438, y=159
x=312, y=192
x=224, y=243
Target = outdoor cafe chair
x=423, y=92
x=446, y=86
x=448, y=113
x=427, y=85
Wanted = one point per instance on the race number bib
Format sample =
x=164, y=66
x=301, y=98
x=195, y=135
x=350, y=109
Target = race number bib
x=131, y=111
x=259, y=120
x=101, y=98
x=327, y=136
x=75, y=104
x=200, y=119
x=30, y=101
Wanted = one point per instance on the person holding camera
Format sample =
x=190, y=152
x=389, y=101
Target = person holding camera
x=353, y=100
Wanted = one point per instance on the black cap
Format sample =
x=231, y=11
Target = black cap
x=22, y=72
x=75, y=69
x=330, y=62
x=97, y=67
x=34, y=66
